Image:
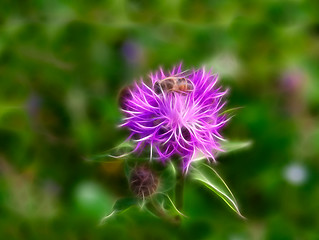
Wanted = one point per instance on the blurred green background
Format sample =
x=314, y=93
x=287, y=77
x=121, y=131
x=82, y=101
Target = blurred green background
x=62, y=64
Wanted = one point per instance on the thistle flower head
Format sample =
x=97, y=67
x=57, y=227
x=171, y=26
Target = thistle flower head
x=178, y=113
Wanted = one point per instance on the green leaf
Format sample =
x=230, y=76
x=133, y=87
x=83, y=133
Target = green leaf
x=120, y=206
x=168, y=203
x=122, y=150
x=128, y=166
x=230, y=146
x=230, y=110
x=227, y=146
x=210, y=178
x=124, y=203
x=167, y=178
x=7, y=109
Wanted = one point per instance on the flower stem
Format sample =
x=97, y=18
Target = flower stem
x=179, y=191
x=155, y=209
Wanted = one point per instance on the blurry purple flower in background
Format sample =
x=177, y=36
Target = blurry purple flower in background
x=293, y=83
x=178, y=113
x=132, y=52
x=33, y=107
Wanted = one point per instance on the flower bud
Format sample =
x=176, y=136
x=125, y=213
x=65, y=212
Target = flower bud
x=143, y=181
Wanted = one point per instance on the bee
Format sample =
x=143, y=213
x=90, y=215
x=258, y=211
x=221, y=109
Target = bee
x=174, y=84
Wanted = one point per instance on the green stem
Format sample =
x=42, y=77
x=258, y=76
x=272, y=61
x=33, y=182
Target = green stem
x=179, y=191
x=154, y=208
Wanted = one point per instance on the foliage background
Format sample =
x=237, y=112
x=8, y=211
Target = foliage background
x=62, y=64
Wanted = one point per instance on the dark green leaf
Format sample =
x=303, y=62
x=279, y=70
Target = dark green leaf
x=230, y=110
x=120, y=206
x=167, y=178
x=121, y=151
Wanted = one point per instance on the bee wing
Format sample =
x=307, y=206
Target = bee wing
x=190, y=85
x=185, y=73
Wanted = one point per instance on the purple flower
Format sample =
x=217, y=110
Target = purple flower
x=177, y=113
